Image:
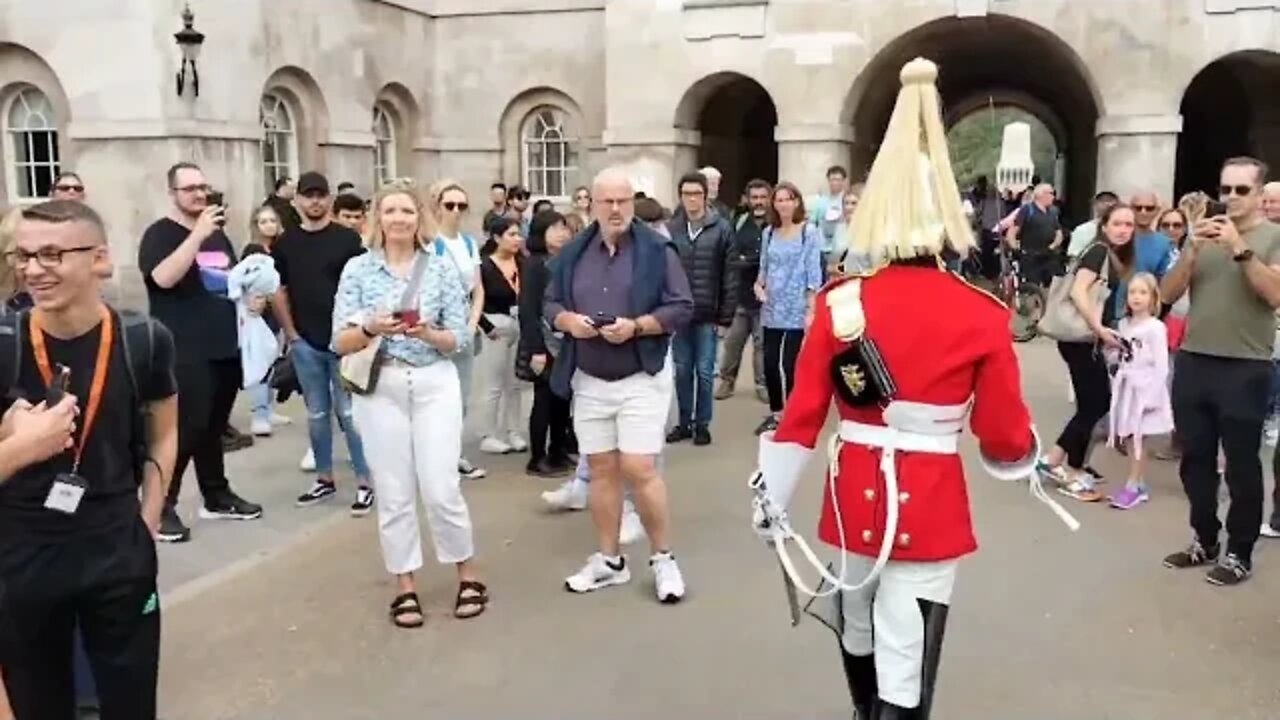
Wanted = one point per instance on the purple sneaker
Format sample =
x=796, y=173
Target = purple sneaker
x=1130, y=497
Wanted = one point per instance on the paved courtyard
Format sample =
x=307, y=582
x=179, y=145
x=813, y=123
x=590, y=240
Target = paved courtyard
x=284, y=619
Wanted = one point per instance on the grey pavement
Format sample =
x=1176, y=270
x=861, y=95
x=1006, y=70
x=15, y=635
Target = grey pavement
x=285, y=619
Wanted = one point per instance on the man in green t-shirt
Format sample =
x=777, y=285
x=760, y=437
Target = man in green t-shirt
x=1222, y=385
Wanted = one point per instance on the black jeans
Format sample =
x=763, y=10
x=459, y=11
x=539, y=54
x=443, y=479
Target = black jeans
x=206, y=394
x=104, y=583
x=1222, y=401
x=548, y=423
x=1038, y=266
x=1092, y=386
x=780, y=350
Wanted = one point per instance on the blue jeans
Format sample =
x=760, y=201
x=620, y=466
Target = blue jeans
x=323, y=394
x=694, y=351
x=260, y=401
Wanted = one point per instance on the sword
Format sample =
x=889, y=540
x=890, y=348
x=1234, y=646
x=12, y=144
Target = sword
x=793, y=600
x=765, y=503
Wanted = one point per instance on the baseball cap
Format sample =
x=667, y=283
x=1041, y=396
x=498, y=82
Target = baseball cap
x=311, y=182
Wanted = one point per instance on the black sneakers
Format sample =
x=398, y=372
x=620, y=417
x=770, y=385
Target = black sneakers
x=172, y=530
x=1195, y=555
x=229, y=506
x=1231, y=570
x=701, y=435
x=679, y=433
x=319, y=491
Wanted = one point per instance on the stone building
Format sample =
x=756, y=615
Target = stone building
x=1137, y=93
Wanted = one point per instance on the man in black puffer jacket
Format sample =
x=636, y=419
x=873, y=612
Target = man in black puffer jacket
x=704, y=241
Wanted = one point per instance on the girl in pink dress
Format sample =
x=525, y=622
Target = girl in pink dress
x=1139, y=394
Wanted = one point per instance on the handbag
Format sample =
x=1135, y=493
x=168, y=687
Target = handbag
x=1062, y=320
x=359, y=370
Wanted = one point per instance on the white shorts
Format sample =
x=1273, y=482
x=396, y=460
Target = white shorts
x=628, y=415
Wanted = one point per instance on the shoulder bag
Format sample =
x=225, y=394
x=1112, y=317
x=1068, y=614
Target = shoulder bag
x=1062, y=320
x=359, y=370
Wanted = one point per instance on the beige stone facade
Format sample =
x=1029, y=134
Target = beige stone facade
x=544, y=92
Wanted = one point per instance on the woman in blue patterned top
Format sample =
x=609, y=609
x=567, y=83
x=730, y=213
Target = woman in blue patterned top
x=412, y=421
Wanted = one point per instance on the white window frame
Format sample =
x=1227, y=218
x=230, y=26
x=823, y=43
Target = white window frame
x=279, y=136
x=537, y=132
x=384, y=145
x=16, y=169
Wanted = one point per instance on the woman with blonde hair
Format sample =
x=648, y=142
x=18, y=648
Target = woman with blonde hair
x=12, y=292
x=409, y=298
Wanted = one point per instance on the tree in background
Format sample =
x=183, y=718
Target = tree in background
x=975, y=143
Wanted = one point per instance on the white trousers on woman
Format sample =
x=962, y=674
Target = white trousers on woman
x=412, y=425
x=502, y=393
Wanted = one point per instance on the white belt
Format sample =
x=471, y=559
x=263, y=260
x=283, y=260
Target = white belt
x=890, y=439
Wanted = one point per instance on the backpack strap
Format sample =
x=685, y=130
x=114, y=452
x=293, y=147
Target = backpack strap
x=471, y=245
x=138, y=343
x=11, y=334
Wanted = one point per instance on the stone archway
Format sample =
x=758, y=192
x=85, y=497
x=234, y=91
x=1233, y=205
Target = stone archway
x=1228, y=109
x=979, y=59
x=734, y=118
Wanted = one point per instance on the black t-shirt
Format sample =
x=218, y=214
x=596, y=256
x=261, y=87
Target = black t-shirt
x=1036, y=228
x=1092, y=259
x=310, y=265
x=203, y=323
x=108, y=463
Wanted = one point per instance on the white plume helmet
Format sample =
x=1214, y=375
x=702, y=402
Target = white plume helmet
x=912, y=205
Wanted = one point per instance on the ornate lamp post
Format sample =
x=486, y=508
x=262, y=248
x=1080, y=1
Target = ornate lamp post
x=189, y=41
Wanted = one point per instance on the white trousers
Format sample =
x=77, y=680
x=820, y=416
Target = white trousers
x=502, y=397
x=885, y=618
x=412, y=430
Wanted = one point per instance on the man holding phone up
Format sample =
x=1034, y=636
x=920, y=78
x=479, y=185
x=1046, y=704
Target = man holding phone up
x=1221, y=387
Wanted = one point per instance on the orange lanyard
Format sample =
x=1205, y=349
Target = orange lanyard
x=99, y=373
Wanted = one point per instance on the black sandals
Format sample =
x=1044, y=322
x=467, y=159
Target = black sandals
x=407, y=604
x=473, y=598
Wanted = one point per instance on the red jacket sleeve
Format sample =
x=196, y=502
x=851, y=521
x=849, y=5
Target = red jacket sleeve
x=1000, y=418
x=806, y=409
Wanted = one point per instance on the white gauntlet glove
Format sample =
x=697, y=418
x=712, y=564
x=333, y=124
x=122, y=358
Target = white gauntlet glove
x=780, y=466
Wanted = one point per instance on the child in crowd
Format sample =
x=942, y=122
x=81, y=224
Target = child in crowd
x=1140, y=405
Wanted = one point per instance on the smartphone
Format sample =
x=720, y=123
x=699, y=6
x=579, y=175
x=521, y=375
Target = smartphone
x=216, y=198
x=601, y=319
x=410, y=318
x=1215, y=208
x=58, y=386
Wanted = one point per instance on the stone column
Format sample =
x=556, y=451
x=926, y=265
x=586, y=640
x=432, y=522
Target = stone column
x=1138, y=152
x=806, y=151
x=653, y=157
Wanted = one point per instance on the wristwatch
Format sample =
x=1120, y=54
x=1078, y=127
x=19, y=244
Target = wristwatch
x=1243, y=256
x=366, y=332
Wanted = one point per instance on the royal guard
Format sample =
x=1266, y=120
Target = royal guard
x=909, y=352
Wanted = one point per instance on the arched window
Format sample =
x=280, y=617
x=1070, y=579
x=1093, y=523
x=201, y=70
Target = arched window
x=550, y=158
x=32, y=131
x=384, y=146
x=279, y=140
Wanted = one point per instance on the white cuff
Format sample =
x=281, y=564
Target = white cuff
x=781, y=465
x=1018, y=469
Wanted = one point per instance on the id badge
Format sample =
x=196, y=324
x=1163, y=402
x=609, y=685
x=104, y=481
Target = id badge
x=66, y=493
x=515, y=312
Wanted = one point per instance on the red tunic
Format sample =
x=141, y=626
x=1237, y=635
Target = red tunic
x=943, y=341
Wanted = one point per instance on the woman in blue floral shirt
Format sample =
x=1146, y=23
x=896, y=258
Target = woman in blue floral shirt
x=790, y=276
x=412, y=420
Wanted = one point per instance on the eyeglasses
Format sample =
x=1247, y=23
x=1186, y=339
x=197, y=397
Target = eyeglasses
x=451, y=206
x=192, y=188
x=520, y=196
x=1238, y=190
x=1144, y=208
x=1172, y=225
x=69, y=188
x=47, y=257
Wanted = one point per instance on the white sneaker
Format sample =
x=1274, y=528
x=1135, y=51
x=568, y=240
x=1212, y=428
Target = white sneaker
x=632, y=529
x=469, y=471
x=571, y=495
x=308, y=462
x=1269, y=531
x=261, y=427
x=1270, y=436
x=597, y=574
x=277, y=419
x=517, y=443
x=494, y=446
x=667, y=578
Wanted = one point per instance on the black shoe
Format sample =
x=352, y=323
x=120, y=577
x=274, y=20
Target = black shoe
x=769, y=425
x=701, y=435
x=1195, y=555
x=171, y=528
x=1231, y=570
x=319, y=491
x=363, y=502
x=679, y=433
x=545, y=468
x=229, y=506
x=233, y=440
x=564, y=462
x=860, y=673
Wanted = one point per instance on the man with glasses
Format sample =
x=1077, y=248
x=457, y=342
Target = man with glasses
x=184, y=258
x=310, y=259
x=1037, y=232
x=68, y=186
x=1222, y=384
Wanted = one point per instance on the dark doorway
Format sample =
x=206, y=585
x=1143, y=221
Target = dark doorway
x=736, y=119
x=1229, y=109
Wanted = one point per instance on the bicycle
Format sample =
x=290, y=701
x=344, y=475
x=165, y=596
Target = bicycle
x=1026, y=300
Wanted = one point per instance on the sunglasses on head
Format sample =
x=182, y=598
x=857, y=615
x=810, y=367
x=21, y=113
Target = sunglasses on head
x=450, y=206
x=1238, y=190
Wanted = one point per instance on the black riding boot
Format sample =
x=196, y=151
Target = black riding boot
x=860, y=671
x=935, y=625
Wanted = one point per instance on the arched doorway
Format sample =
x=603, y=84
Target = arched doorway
x=976, y=137
x=735, y=118
x=991, y=60
x=1230, y=108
